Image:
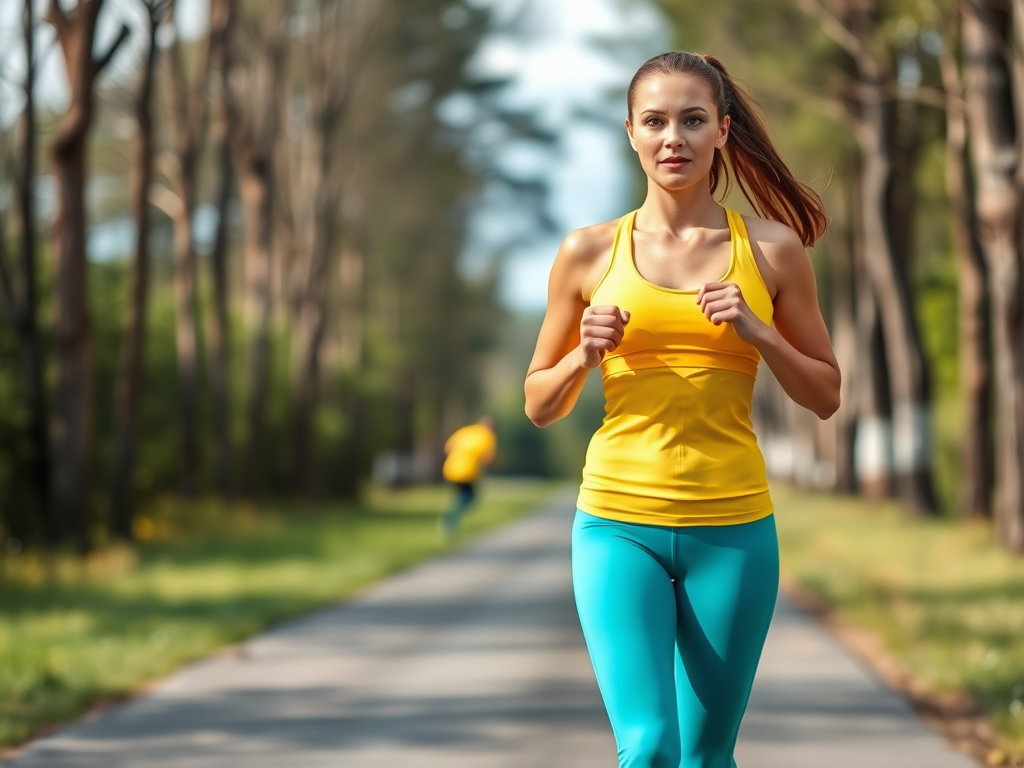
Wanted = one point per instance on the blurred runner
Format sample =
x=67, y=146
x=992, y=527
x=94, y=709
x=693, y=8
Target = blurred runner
x=469, y=449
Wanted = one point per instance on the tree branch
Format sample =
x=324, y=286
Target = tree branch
x=826, y=106
x=58, y=19
x=164, y=199
x=102, y=62
x=168, y=164
x=867, y=93
x=840, y=34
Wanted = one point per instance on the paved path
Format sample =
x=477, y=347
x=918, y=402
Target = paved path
x=474, y=660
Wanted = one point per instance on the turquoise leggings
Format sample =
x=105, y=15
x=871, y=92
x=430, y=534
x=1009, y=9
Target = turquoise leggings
x=675, y=620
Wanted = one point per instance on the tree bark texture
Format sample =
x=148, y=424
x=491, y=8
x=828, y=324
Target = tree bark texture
x=998, y=201
x=908, y=378
x=258, y=86
x=128, y=393
x=342, y=29
x=255, y=183
x=871, y=110
x=188, y=104
x=313, y=219
x=844, y=340
x=221, y=17
x=972, y=293
x=75, y=34
x=27, y=307
x=873, y=436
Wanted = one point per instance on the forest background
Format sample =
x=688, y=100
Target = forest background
x=259, y=262
x=236, y=264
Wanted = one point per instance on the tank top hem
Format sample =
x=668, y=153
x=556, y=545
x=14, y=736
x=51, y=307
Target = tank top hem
x=644, y=360
x=629, y=508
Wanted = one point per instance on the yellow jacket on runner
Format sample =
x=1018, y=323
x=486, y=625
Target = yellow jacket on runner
x=469, y=449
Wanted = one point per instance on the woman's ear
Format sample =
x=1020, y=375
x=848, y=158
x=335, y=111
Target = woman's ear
x=629, y=133
x=723, y=132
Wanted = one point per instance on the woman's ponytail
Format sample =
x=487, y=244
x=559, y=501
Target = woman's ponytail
x=765, y=180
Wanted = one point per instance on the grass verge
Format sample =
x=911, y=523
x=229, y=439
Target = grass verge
x=74, y=631
x=941, y=595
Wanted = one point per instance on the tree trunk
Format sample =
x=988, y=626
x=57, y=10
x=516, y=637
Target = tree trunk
x=75, y=34
x=74, y=352
x=220, y=332
x=998, y=202
x=901, y=199
x=258, y=203
x=332, y=64
x=188, y=121
x=844, y=339
x=221, y=18
x=314, y=232
x=904, y=357
x=26, y=320
x=873, y=435
x=129, y=378
x=253, y=104
x=870, y=106
x=975, y=365
x=186, y=331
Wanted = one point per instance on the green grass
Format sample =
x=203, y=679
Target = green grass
x=943, y=596
x=73, y=631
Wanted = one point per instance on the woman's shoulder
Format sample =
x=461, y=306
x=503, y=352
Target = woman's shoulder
x=778, y=250
x=772, y=235
x=588, y=244
x=777, y=241
x=583, y=259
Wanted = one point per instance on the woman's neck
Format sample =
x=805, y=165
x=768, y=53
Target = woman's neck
x=679, y=210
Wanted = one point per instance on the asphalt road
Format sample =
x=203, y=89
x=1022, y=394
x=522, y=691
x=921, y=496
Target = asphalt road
x=473, y=660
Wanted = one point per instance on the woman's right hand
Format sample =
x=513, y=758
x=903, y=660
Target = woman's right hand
x=601, y=332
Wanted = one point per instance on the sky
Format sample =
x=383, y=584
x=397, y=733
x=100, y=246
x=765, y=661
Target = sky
x=558, y=71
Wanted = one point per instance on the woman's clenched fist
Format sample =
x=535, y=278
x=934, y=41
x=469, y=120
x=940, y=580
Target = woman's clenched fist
x=601, y=332
x=724, y=303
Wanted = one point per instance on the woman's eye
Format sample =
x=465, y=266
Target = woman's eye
x=694, y=121
x=653, y=121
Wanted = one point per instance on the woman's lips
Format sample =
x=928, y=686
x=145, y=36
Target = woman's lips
x=675, y=162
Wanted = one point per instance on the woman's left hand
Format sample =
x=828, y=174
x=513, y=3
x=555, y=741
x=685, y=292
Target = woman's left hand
x=724, y=303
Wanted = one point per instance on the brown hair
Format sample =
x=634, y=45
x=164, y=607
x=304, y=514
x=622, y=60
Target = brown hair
x=763, y=177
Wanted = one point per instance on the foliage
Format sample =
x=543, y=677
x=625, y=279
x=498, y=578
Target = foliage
x=399, y=362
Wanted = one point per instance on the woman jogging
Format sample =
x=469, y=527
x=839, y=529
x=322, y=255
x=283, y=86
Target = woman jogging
x=675, y=557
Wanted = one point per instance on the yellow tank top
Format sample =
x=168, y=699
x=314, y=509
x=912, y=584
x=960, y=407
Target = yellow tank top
x=677, y=446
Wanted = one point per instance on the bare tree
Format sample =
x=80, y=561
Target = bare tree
x=222, y=14
x=23, y=296
x=844, y=339
x=975, y=366
x=341, y=29
x=255, y=93
x=76, y=31
x=998, y=199
x=188, y=110
x=128, y=392
x=873, y=126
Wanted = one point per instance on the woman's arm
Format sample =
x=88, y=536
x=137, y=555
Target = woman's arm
x=797, y=349
x=574, y=337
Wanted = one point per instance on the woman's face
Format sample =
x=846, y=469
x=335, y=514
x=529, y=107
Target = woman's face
x=675, y=129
